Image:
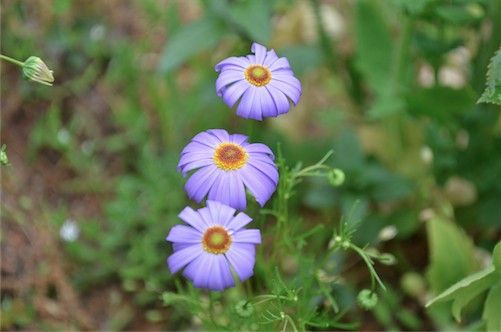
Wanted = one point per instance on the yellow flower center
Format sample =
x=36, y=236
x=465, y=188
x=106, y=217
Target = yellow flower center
x=258, y=75
x=216, y=240
x=229, y=156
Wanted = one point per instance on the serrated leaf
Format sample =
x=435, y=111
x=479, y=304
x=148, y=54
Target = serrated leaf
x=189, y=41
x=492, y=93
x=466, y=290
x=452, y=254
x=491, y=309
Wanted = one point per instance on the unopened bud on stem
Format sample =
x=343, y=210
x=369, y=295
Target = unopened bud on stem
x=36, y=70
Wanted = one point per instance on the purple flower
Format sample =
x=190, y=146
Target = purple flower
x=226, y=165
x=262, y=82
x=215, y=242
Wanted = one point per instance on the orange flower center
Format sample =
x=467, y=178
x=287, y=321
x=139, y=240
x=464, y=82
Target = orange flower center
x=216, y=240
x=258, y=75
x=229, y=156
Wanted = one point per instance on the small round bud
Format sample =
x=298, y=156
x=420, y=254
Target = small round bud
x=244, y=308
x=4, y=160
x=367, y=299
x=36, y=70
x=387, y=259
x=336, y=177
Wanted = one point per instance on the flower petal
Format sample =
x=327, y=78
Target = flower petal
x=245, y=107
x=181, y=233
x=268, y=107
x=287, y=89
x=221, y=134
x=226, y=78
x=200, y=182
x=266, y=168
x=220, y=212
x=260, y=185
x=221, y=277
x=281, y=102
x=231, y=62
x=238, y=222
x=237, y=192
x=259, y=148
x=281, y=63
x=242, y=259
x=192, y=218
x=219, y=190
x=238, y=138
x=271, y=57
x=260, y=52
x=234, y=92
x=181, y=258
x=206, y=139
x=247, y=236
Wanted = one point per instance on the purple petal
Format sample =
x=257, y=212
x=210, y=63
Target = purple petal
x=231, y=62
x=207, y=216
x=220, y=275
x=281, y=102
x=271, y=57
x=181, y=233
x=191, y=161
x=267, y=104
x=237, y=192
x=287, y=89
x=238, y=222
x=181, y=258
x=260, y=52
x=217, y=192
x=221, y=134
x=191, y=217
x=260, y=185
x=233, y=93
x=220, y=212
x=289, y=79
x=270, y=170
x=200, y=182
x=206, y=139
x=245, y=107
x=242, y=259
x=247, y=236
x=210, y=271
x=238, y=139
x=281, y=63
x=228, y=77
x=259, y=148
x=196, y=147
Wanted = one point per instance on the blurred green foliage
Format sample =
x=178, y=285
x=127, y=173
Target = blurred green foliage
x=390, y=86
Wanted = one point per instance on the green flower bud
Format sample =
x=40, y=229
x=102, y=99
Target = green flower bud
x=3, y=156
x=36, y=70
x=367, y=299
x=244, y=308
x=387, y=259
x=336, y=177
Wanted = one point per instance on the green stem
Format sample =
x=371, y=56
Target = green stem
x=11, y=60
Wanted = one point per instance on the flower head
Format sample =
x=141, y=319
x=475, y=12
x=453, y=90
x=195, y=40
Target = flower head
x=214, y=244
x=36, y=70
x=262, y=82
x=226, y=165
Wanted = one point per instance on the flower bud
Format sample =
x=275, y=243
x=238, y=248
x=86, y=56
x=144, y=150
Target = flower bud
x=367, y=299
x=336, y=177
x=244, y=308
x=36, y=70
x=3, y=156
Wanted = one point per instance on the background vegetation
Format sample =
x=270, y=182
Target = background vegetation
x=390, y=86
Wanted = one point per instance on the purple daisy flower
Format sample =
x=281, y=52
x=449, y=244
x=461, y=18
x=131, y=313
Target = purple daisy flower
x=226, y=165
x=262, y=82
x=215, y=244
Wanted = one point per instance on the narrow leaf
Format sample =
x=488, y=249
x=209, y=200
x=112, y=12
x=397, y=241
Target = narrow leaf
x=491, y=309
x=492, y=93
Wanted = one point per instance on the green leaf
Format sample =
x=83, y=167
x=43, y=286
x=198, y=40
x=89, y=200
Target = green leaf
x=492, y=93
x=440, y=103
x=466, y=290
x=254, y=17
x=496, y=257
x=491, y=309
x=189, y=41
x=374, y=44
x=452, y=254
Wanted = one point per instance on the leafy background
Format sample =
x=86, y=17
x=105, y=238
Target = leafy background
x=390, y=86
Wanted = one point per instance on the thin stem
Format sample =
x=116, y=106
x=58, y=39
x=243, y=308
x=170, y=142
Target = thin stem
x=11, y=60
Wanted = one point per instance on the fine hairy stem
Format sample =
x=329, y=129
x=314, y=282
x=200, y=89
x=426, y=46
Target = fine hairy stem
x=11, y=60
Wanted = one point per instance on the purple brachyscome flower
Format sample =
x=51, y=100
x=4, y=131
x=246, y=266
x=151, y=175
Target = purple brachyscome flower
x=226, y=165
x=262, y=82
x=214, y=243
